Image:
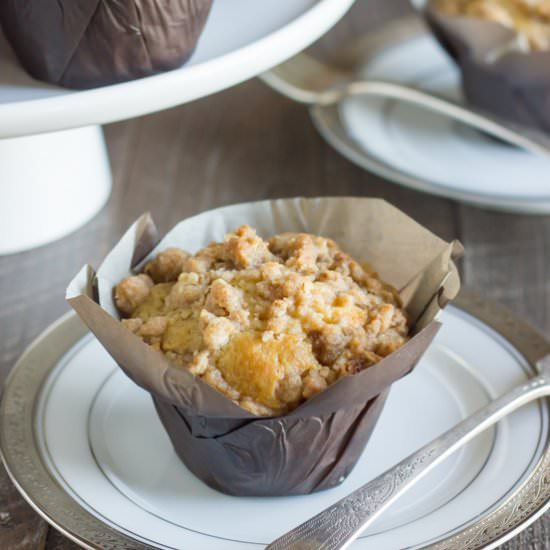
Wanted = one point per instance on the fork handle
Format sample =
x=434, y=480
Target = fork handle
x=339, y=525
x=525, y=138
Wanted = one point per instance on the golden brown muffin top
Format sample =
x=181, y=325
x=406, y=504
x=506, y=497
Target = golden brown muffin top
x=530, y=18
x=267, y=323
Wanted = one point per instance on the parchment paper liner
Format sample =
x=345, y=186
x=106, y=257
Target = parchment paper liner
x=315, y=446
x=496, y=76
x=89, y=43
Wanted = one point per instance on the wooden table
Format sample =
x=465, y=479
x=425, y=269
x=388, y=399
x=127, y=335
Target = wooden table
x=245, y=144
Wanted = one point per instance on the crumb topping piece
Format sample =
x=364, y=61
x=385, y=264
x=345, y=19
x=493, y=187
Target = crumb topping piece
x=267, y=323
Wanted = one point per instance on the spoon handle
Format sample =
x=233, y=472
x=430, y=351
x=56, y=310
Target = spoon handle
x=529, y=140
x=339, y=525
x=307, y=80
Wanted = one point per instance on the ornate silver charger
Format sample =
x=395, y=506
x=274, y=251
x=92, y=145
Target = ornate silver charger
x=36, y=479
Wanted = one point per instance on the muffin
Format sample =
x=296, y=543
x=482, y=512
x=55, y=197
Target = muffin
x=529, y=18
x=269, y=362
x=502, y=48
x=269, y=323
x=89, y=43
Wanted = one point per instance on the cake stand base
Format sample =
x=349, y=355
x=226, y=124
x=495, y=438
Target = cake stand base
x=50, y=185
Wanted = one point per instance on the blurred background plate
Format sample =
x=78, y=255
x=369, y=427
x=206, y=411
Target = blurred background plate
x=424, y=150
x=85, y=447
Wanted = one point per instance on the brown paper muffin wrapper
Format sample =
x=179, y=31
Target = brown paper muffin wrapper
x=89, y=43
x=497, y=77
x=316, y=445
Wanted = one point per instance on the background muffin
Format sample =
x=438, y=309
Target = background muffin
x=501, y=47
x=89, y=43
x=530, y=19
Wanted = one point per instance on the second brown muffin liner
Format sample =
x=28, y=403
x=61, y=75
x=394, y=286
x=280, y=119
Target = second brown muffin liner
x=315, y=446
x=497, y=77
x=90, y=43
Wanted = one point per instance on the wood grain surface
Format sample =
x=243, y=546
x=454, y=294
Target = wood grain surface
x=244, y=144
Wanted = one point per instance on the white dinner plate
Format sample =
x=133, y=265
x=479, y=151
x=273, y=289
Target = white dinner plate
x=241, y=39
x=84, y=446
x=422, y=149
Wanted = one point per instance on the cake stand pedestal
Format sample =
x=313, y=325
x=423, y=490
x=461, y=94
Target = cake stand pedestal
x=50, y=185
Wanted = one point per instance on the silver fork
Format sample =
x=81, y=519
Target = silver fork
x=339, y=525
x=306, y=80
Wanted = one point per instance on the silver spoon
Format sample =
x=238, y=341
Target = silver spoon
x=307, y=80
x=339, y=525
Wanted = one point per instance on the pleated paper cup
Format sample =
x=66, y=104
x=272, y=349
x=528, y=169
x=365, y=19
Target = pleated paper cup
x=89, y=43
x=498, y=77
x=316, y=445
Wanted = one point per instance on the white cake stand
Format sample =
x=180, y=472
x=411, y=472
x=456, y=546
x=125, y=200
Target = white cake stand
x=54, y=170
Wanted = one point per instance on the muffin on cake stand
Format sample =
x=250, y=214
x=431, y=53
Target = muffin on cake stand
x=54, y=166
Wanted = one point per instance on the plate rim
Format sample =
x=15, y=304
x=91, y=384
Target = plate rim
x=26, y=469
x=328, y=123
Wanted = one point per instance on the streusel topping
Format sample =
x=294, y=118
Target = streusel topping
x=530, y=18
x=267, y=323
